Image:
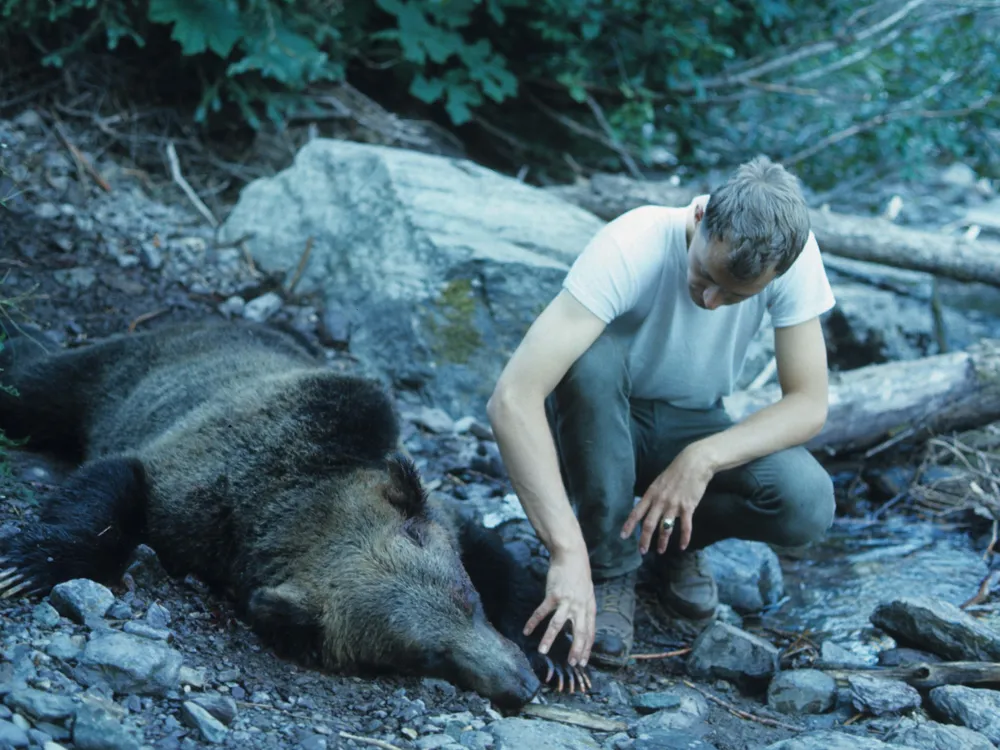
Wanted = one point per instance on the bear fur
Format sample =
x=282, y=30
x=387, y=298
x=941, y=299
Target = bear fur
x=239, y=457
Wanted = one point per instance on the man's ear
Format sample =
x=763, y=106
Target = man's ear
x=699, y=213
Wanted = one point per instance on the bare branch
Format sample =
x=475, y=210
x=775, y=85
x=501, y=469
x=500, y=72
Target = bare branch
x=626, y=157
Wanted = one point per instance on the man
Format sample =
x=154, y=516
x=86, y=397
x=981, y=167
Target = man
x=615, y=392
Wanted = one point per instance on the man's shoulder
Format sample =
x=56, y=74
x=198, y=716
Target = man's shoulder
x=646, y=223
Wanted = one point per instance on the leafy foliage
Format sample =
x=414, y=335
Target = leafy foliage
x=834, y=86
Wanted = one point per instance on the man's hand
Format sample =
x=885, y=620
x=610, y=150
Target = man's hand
x=673, y=495
x=569, y=592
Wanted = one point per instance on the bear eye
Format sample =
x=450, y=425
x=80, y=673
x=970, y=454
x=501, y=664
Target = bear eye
x=413, y=530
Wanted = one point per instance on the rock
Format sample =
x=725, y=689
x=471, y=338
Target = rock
x=96, y=729
x=683, y=708
x=748, y=574
x=722, y=651
x=128, y=664
x=39, y=705
x=831, y=740
x=75, y=278
x=834, y=654
x=158, y=616
x=12, y=735
x=975, y=708
x=145, y=630
x=432, y=419
x=516, y=733
x=901, y=657
x=669, y=740
x=647, y=703
x=222, y=707
x=930, y=735
x=802, y=691
x=211, y=729
x=45, y=615
x=64, y=646
x=878, y=696
x=446, y=262
x=937, y=626
x=263, y=307
x=334, y=327
x=81, y=599
x=233, y=307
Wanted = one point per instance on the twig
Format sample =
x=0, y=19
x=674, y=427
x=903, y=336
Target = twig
x=898, y=437
x=615, y=144
x=741, y=713
x=853, y=719
x=369, y=741
x=662, y=655
x=145, y=317
x=573, y=717
x=175, y=173
x=79, y=158
x=984, y=590
x=300, y=269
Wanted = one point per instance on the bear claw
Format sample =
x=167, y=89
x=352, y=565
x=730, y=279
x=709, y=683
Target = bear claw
x=12, y=582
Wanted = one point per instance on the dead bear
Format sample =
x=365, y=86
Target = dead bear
x=235, y=454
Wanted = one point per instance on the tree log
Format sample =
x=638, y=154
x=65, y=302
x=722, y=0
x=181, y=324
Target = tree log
x=871, y=239
x=955, y=391
x=926, y=676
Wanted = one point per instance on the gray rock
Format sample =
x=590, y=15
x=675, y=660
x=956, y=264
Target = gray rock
x=13, y=735
x=939, y=627
x=432, y=419
x=833, y=653
x=151, y=256
x=45, y=615
x=732, y=654
x=233, y=307
x=930, y=735
x=158, y=616
x=446, y=261
x=670, y=740
x=516, y=733
x=39, y=705
x=145, y=630
x=64, y=646
x=688, y=709
x=222, y=707
x=96, y=729
x=748, y=574
x=128, y=664
x=647, y=703
x=81, y=599
x=975, y=708
x=263, y=307
x=802, y=691
x=831, y=740
x=211, y=729
x=878, y=696
x=78, y=278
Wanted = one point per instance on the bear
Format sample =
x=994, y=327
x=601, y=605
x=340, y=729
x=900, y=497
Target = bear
x=240, y=457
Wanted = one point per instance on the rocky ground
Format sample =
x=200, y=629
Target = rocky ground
x=155, y=662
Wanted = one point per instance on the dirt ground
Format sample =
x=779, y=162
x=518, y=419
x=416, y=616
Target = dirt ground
x=79, y=262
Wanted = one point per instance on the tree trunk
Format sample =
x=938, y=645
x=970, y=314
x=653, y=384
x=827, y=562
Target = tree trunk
x=926, y=676
x=955, y=391
x=862, y=238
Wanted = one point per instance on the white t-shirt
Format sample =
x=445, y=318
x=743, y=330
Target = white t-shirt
x=633, y=276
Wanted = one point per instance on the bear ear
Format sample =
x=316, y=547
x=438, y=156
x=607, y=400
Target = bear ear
x=279, y=606
x=405, y=490
x=281, y=616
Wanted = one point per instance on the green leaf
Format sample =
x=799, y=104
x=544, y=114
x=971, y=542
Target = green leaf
x=427, y=90
x=461, y=97
x=285, y=56
x=200, y=25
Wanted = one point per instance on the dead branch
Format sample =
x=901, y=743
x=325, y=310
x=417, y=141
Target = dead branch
x=301, y=267
x=82, y=163
x=740, y=713
x=175, y=173
x=576, y=718
x=924, y=676
x=369, y=741
x=613, y=140
x=661, y=655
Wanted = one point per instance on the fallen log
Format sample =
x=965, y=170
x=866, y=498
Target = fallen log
x=924, y=675
x=870, y=239
x=945, y=392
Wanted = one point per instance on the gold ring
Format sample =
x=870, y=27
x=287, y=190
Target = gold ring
x=668, y=524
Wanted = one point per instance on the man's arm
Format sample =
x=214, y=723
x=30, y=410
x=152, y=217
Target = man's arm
x=559, y=336
x=798, y=416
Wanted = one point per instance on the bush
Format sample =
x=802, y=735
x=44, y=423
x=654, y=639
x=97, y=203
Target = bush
x=635, y=82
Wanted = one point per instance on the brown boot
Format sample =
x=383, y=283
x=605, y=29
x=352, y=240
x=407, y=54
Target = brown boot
x=615, y=617
x=687, y=590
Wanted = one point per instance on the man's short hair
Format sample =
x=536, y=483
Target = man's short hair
x=761, y=215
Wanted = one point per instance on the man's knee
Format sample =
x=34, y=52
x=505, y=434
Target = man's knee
x=807, y=499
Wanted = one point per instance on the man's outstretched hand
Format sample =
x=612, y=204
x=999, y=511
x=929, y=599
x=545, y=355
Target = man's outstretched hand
x=673, y=495
x=569, y=595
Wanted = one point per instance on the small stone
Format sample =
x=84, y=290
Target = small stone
x=233, y=307
x=263, y=307
x=45, y=615
x=221, y=707
x=879, y=696
x=145, y=630
x=647, y=703
x=81, y=599
x=802, y=691
x=196, y=717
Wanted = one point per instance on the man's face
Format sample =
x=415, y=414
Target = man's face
x=709, y=283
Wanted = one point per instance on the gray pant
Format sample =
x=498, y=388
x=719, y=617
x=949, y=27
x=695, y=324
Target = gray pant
x=611, y=447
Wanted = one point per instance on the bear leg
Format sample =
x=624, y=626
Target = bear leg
x=87, y=529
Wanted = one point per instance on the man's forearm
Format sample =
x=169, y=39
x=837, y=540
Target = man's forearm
x=792, y=421
x=529, y=454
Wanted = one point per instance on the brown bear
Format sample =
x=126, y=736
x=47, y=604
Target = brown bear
x=239, y=457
